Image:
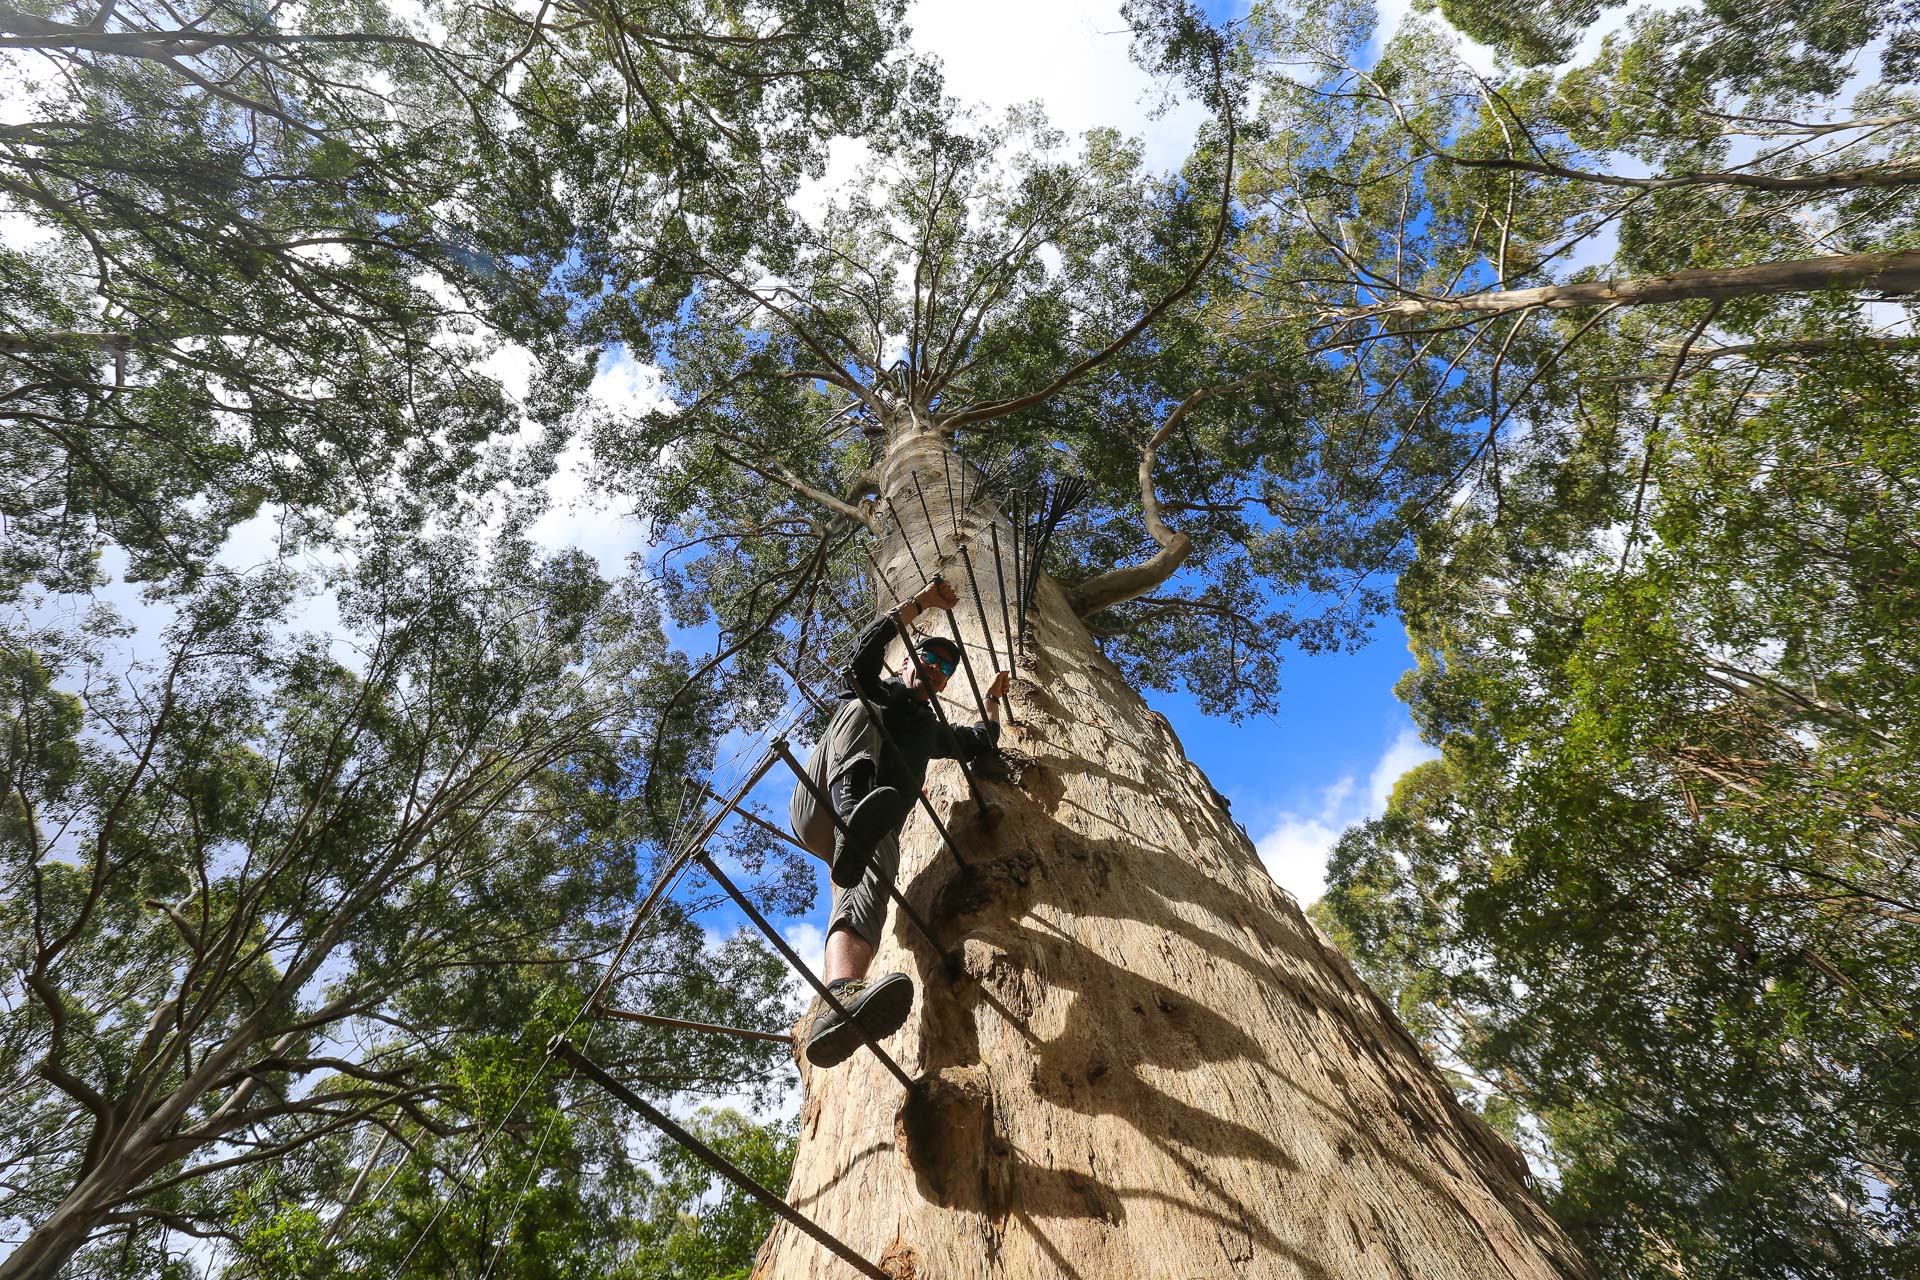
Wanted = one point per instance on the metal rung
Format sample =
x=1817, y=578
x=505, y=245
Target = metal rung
x=781, y=945
x=629, y=1015
x=564, y=1049
x=666, y=879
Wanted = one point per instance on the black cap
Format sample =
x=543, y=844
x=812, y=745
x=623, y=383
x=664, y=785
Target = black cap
x=942, y=644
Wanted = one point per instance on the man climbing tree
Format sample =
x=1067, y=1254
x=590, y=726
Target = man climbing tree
x=870, y=766
x=1132, y=1055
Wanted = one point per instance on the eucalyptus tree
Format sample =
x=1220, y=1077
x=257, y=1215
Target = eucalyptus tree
x=281, y=913
x=1144, y=1061
x=1659, y=897
x=1649, y=315
x=260, y=253
x=281, y=907
x=1684, y=197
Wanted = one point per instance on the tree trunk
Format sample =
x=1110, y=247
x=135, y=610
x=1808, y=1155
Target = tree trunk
x=1888, y=273
x=1149, y=1064
x=49, y=1247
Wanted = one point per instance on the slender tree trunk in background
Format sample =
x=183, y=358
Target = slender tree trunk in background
x=1151, y=1064
x=1887, y=273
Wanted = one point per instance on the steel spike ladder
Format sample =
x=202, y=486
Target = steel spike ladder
x=979, y=604
x=946, y=469
x=986, y=629
x=781, y=945
x=1006, y=619
x=900, y=524
x=959, y=642
x=893, y=890
x=712, y=1028
x=667, y=877
x=695, y=851
x=565, y=1050
x=928, y=516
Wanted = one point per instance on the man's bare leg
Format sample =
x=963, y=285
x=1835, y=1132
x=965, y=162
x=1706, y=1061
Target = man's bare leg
x=848, y=955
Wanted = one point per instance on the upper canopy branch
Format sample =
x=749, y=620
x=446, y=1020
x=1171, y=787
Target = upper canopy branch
x=781, y=476
x=19, y=30
x=834, y=372
x=1128, y=582
x=1895, y=173
x=1000, y=409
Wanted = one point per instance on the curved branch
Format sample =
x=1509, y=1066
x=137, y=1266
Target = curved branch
x=779, y=475
x=1127, y=582
x=834, y=373
x=1892, y=174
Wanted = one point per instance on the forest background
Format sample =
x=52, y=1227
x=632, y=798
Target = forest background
x=1653, y=906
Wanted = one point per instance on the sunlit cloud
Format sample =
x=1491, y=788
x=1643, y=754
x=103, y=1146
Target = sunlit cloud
x=1295, y=849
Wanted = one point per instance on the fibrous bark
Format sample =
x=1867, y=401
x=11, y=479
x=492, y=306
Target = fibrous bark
x=1149, y=1063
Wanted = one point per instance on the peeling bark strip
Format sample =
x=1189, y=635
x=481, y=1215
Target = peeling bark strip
x=1152, y=1066
x=1888, y=273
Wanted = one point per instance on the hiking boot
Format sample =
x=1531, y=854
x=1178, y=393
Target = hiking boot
x=881, y=1006
x=879, y=813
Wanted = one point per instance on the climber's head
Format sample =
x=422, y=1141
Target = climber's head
x=932, y=662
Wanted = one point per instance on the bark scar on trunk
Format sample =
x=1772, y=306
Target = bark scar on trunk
x=946, y=1134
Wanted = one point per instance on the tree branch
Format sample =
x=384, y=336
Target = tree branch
x=1129, y=581
x=988, y=412
x=1890, y=273
x=781, y=476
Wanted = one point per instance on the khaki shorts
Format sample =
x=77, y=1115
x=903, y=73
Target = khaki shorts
x=863, y=908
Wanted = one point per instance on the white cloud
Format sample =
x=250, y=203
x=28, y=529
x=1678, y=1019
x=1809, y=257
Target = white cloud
x=579, y=514
x=1295, y=854
x=1393, y=13
x=23, y=100
x=810, y=943
x=509, y=364
x=1295, y=849
x=20, y=232
x=624, y=385
x=1071, y=56
x=1404, y=753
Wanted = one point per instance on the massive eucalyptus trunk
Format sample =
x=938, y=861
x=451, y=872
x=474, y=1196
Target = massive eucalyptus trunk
x=1148, y=1064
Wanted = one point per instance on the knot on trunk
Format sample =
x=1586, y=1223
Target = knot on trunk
x=901, y=1262
x=1000, y=881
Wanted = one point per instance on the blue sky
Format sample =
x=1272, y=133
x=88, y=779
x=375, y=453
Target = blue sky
x=1340, y=738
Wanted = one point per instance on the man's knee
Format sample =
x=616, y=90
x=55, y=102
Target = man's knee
x=860, y=922
x=850, y=786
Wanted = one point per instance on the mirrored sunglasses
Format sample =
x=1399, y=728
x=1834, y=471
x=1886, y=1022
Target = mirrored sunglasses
x=938, y=660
